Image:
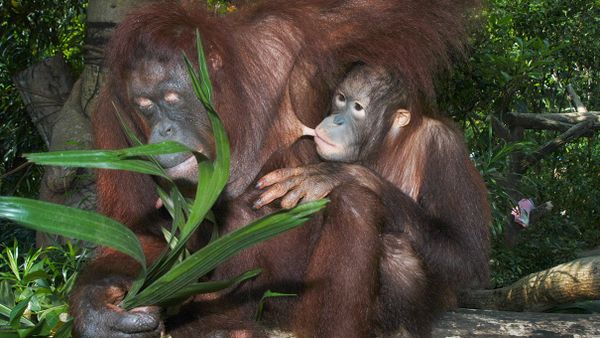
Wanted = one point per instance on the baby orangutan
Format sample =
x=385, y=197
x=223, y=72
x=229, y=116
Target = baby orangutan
x=368, y=109
x=376, y=128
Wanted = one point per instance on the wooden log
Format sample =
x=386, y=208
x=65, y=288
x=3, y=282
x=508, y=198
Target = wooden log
x=566, y=283
x=490, y=324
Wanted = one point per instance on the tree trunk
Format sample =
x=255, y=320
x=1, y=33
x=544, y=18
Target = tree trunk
x=61, y=108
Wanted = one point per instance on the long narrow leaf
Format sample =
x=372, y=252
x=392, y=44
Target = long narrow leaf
x=208, y=287
x=121, y=159
x=269, y=294
x=203, y=69
x=17, y=312
x=166, y=147
x=71, y=222
x=212, y=177
x=65, y=330
x=5, y=311
x=215, y=253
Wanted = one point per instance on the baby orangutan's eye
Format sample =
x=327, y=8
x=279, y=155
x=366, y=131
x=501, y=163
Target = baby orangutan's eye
x=359, y=110
x=340, y=100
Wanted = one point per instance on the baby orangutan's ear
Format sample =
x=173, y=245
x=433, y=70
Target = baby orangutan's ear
x=401, y=119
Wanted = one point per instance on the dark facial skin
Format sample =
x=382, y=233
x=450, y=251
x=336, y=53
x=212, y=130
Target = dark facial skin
x=338, y=136
x=359, y=117
x=162, y=95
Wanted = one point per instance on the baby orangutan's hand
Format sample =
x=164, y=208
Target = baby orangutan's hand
x=308, y=183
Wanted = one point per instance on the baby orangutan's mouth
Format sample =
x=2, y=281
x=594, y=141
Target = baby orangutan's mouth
x=319, y=139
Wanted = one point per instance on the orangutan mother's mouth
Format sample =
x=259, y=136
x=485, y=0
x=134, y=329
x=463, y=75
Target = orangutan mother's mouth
x=187, y=169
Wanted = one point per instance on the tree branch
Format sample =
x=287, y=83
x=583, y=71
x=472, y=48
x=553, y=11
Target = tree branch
x=573, y=133
x=486, y=323
x=501, y=131
x=576, y=100
x=559, y=122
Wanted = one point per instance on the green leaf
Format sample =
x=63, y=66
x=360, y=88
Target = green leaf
x=42, y=328
x=121, y=159
x=5, y=311
x=7, y=296
x=16, y=313
x=207, y=85
x=8, y=333
x=71, y=222
x=208, y=287
x=40, y=274
x=65, y=330
x=212, y=177
x=269, y=294
x=215, y=253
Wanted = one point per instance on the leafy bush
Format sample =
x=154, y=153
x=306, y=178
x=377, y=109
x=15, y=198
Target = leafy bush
x=30, y=30
x=521, y=61
x=34, y=288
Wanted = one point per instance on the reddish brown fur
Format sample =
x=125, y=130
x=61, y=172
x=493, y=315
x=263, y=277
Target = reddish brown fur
x=431, y=164
x=270, y=60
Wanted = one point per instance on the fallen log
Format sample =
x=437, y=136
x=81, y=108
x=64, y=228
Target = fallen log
x=490, y=323
x=566, y=283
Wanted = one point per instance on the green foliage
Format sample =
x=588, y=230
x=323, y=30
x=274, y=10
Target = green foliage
x=30, y=30
x=493, y=165
x=522, y=61
x=269, y=294
x=220, y=7
x=33, y=290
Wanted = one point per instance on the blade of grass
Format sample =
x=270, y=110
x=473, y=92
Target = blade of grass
x=203, y=69
x=269, y=294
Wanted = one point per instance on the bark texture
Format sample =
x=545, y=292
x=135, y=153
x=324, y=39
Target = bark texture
x=565, y=283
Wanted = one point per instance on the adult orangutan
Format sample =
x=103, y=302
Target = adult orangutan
x=269, y=63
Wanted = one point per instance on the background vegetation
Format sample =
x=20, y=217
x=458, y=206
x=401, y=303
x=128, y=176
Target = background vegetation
x=524, y=53
x=30, y=31
x=523, y=56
